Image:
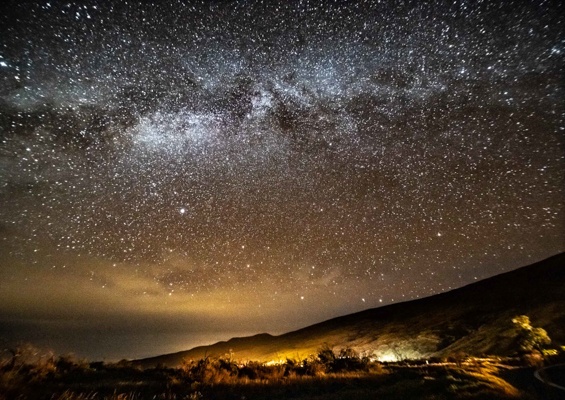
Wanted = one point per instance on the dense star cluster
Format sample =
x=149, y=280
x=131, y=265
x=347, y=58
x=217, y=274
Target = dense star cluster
x=249, y=159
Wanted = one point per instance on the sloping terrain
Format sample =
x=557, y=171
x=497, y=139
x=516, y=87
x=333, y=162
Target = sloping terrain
x=474, y=320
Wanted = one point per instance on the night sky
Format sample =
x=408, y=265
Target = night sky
x=203, y=169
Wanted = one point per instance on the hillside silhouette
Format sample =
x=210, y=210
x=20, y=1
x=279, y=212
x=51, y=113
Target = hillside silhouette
x=473, y=320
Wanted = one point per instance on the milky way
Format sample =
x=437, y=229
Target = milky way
x=271, y=164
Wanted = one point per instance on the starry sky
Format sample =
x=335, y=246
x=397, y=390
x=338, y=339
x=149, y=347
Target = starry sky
x=182, y=172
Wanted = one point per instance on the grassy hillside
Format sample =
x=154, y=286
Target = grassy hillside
x=473, y=320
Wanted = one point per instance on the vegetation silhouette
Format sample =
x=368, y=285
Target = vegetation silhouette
x=28, y=373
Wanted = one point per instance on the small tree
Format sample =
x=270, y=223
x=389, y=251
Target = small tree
x=326, y=356
x=346, y=360
x=530, y=339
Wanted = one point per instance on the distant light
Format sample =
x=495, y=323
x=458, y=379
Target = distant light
x=3, y=64
x=387, y=357
x=182, y=210
x=439, y=234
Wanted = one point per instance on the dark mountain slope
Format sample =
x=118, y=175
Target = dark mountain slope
x=475, y=319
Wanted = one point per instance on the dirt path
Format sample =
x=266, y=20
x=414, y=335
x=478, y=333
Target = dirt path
x=553, y=376
x=524, y=379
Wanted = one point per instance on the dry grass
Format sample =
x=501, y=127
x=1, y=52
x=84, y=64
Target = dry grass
x=329, y=375
x=486, y=374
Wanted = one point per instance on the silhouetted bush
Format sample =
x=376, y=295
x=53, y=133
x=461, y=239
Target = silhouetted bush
x=328, y=374
x=532, y=342
x=262, y=372
x=210, y=371
x=346, y=360
x=314, y=367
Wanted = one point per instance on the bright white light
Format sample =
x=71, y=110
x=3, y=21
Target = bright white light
x=387, y=357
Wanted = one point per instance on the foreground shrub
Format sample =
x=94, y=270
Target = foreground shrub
x=262, y=372
x=210, y=370
x=346, y=360
x=529, y=338
x=214, y=371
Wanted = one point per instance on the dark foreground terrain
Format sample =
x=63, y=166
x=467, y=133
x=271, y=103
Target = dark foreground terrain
x=329, y=375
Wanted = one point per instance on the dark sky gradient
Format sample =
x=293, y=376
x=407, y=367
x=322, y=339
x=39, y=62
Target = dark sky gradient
x=210, y=168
